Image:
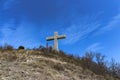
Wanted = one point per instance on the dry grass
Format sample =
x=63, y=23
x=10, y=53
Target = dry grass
x=39, y=65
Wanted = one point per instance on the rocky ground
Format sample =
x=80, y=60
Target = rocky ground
x=23, y=65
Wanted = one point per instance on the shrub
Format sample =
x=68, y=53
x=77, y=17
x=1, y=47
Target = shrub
x=21, y=48
x=7, y=47
x=7, y=56
x=114, y=69
x=59, y=67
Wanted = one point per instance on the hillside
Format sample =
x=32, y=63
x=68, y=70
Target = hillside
x=42, y=65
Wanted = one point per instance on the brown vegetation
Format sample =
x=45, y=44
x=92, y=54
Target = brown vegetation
x=91, y=65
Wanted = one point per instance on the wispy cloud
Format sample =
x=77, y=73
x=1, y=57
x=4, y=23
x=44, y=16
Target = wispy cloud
x=115, y=22
x=94, y=47
x=78, y=32
x=9, y=3
x=22, y=35
x=7, y=28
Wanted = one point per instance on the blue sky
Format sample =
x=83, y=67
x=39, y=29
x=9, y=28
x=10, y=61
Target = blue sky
x=90, y=25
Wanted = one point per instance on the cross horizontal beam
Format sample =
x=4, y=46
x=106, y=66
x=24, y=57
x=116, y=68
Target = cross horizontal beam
x=49, y=38
x=61, y=37
x=58, y=37
x=55, y=38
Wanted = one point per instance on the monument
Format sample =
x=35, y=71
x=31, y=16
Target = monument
x=55, y=38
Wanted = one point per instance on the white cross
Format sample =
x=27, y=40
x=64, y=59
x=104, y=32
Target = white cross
x=55, y=38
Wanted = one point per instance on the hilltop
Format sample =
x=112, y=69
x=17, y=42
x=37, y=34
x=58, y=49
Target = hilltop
x=44, y=64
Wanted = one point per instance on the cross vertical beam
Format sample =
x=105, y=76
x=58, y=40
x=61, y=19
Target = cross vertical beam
x=55, y=38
